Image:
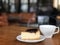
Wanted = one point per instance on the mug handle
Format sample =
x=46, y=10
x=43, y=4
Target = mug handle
x=57, y=30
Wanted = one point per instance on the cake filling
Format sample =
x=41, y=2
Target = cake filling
x=32, y=30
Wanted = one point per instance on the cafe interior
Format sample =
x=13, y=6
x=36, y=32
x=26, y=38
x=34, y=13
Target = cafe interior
x=29, y=12
x=19, y=15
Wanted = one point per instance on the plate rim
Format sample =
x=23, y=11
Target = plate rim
x=30, y=41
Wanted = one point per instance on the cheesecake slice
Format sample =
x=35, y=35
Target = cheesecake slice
x=30, y=34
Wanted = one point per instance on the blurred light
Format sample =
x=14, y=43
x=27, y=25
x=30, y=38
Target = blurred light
x=24, y=7
x=55, y=3
x=24, y=1
x=59, y=2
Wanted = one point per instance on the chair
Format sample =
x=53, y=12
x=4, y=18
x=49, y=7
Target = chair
x=3, y=20
x=26, y=17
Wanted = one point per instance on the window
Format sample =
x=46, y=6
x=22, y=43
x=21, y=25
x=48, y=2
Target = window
x=28, y=5
x=5, y=5
x=5, y=1
x=33, y=5
x=24, y=5
x=24, y=1
x=33, y=1
x=12, y=1
x=12, y=6
x=24, y=8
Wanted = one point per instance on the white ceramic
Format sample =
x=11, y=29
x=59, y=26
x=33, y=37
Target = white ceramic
x=30, y=41
x=48, y=30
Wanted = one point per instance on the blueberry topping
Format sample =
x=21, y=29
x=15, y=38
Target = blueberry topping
x=32, y=30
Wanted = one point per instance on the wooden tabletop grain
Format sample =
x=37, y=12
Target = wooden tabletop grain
x=8, y=37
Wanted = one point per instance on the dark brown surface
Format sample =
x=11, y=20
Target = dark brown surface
x=3, y=20
x=27, y=16
x=24, y=16
x=8, y=37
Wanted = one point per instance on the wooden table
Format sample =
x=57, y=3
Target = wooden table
x=8, y=37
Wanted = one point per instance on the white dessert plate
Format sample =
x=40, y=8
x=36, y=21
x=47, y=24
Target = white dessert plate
x=30, y=41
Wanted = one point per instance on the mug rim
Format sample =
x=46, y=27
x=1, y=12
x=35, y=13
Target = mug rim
x=47, y=25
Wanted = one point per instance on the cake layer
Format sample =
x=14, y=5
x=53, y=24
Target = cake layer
x=30, y=36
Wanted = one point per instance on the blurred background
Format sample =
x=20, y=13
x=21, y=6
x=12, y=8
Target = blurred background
x=30, y=12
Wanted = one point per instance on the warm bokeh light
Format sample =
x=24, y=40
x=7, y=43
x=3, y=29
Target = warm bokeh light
x=59, y=2
x=56, y=3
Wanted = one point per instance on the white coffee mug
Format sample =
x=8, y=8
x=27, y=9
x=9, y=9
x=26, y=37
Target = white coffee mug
x=48, y=30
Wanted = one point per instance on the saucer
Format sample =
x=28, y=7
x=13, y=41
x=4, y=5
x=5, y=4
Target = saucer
x=30, y=41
